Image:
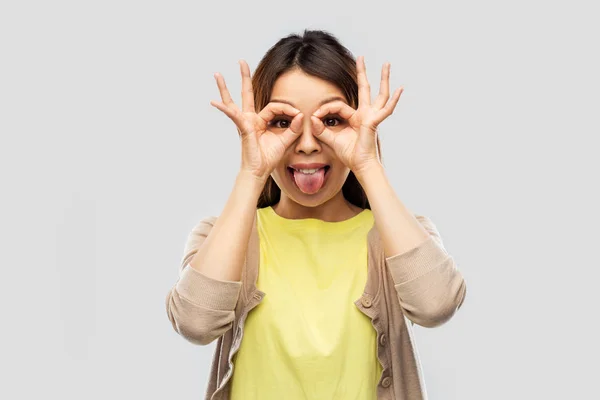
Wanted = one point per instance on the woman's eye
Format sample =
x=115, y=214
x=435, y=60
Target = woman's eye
x=331, y=121
x=280, y=123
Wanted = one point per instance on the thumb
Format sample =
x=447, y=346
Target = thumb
x=291, y=134
x=321, y=132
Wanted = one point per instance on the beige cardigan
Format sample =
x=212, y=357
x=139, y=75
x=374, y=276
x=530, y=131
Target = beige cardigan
x=421, y=286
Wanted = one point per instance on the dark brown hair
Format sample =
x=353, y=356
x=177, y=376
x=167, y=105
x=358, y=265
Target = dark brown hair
x=320, y=54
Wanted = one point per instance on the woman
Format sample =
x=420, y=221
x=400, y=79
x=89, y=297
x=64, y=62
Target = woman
x=311, y=277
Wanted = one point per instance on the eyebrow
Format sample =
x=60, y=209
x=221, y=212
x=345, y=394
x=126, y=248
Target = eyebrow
x=327, y=100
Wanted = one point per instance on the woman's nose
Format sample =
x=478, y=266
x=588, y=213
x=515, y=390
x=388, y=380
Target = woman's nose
x=307, y=142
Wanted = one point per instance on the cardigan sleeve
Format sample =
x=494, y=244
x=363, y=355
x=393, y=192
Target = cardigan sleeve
x=429, y=285
x=200, y=308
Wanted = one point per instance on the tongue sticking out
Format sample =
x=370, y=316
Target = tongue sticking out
x=310, y=183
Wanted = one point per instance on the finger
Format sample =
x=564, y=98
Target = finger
x=335, y=107
x=324, y=135
x=225, y=96
x=227, y=110
x=384, y=87
x=273, y=109
x=364, y=89
x=290, y=135
x=317, y=125
x=247, y=91
x=391, y=105
x=296, y=124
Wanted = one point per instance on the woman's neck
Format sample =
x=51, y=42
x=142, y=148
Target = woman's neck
x=334, y=210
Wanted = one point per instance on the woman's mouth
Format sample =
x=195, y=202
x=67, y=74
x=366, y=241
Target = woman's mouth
x=309, y=180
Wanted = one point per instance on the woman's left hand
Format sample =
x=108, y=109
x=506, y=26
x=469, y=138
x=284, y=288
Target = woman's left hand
x=356, y=142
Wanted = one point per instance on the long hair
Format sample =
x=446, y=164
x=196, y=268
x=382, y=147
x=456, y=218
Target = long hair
x=320, y=54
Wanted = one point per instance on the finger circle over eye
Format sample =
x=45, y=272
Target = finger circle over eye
x=273, y=109
x=335, y=107
x=296, y=123
x=317, y=123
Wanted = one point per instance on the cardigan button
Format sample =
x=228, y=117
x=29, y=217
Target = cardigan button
x=366, y=301
x=256, y=296
x=383, y=339
x=387, y=381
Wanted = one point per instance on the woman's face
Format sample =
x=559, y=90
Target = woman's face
x=308, y=187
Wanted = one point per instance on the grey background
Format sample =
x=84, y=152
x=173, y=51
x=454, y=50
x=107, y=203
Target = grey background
x=111, y=153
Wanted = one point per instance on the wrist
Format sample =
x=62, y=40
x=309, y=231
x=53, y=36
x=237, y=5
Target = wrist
x=371, y=169
x=251, y=180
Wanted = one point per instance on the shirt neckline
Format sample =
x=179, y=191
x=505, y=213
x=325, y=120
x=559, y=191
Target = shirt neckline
x=308, y=223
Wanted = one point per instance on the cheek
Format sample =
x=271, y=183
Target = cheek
x=339, y=175
x=278, y=176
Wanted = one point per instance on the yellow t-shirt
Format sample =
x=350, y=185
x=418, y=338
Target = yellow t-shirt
x=307, y=340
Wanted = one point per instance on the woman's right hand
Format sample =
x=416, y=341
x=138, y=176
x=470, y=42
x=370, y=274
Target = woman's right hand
x=264, y=141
